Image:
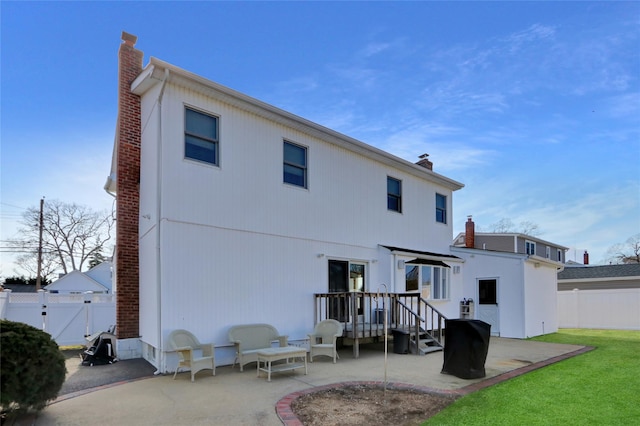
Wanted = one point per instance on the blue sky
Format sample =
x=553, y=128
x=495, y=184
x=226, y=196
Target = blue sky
x=534, y=106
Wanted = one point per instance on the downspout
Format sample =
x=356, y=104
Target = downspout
x=161, y=358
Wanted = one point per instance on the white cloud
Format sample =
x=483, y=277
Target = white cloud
x=591, y=221
x=626, y=105
x=372, y=49
x=298, y=85
x=515, y=42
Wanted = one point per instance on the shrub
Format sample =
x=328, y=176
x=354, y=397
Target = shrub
x=32, y=368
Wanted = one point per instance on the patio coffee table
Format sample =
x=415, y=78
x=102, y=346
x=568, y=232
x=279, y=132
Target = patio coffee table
x=267, y=356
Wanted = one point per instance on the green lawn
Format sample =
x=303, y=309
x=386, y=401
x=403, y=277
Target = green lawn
x=600, y=387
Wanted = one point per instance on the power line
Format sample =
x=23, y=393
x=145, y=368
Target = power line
x=12, y=205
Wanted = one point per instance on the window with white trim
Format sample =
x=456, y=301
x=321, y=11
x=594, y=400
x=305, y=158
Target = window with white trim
x=431, y=281
x=394, y=194
x=530, y=247
x=295, y=164
x=441, y=208
x=200, y=136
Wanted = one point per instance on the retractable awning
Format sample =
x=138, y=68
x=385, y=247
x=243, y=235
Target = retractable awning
x=418, y=261
x=424, y=257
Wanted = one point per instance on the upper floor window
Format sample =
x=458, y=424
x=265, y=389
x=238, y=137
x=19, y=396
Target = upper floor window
x=559, y=259
x=530, y=247
x=441, y=208
x=201, y=136
x=394, y=194
x=295, y=164
x=548, y=253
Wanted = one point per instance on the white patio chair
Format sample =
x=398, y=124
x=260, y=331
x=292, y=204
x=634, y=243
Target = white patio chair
x=323, y=340
x=185, y=343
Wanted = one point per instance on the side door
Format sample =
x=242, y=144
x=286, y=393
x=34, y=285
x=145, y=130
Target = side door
x=488, y=304
x=345, y=277
x=338, y=283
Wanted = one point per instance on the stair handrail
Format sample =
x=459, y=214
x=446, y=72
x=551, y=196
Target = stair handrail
x=440, y=317
x=417, y=320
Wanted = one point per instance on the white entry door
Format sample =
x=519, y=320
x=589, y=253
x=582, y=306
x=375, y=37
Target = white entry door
x=488, y=304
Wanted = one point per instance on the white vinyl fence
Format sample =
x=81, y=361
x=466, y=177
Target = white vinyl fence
x=610, y=309
x=68, y=318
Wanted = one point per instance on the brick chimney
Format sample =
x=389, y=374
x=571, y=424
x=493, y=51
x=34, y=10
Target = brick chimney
x=469, y=233
x=424, y=162
x=128, y=192
x=585, y=258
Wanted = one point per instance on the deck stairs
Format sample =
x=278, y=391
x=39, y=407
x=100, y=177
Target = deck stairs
x=426, y=343
x=424, y=325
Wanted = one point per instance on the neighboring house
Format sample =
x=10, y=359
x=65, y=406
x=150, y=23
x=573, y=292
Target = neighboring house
x=103, y=274
x=512, y=279
x=20, y=288
x=515, y=243
x=96, y=280
x=232, y=211
x=599, y=277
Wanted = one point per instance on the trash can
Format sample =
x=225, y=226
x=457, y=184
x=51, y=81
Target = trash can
x=379, y=316
x=466, y=343
x=400, y=341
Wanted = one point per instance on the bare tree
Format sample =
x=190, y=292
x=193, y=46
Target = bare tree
x=28, y=262
x=503, y=226
x=627, y=252
x=72, y=235
x=529, y=228
x=506, y=225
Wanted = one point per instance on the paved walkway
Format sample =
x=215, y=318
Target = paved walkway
x=234, y=398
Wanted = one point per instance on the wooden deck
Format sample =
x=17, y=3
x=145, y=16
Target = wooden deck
x=363, y=315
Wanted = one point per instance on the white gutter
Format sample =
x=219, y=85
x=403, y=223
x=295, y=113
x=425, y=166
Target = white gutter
x=162, y=356
x=532, y=258
x=111, y=185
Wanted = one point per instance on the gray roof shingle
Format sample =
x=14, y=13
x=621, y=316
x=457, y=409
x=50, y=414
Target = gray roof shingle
x=600, y=271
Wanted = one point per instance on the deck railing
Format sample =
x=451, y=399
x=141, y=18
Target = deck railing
x=363, y=314
x=419, y=317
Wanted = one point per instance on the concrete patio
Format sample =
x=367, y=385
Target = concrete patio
x=234, y=398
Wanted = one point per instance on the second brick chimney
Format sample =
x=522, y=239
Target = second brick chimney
x=424, y=162
x=585, y=257
x=469, y=233
x=128, y=192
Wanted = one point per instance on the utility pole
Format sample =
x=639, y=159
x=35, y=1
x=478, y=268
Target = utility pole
x=41, y=223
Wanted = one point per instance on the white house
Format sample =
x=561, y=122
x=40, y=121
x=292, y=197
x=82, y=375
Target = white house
x=103, y=274
x=512, y=280
x=233, y=211
x=96, y=280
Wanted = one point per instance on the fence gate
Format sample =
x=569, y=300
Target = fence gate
x=68, y=318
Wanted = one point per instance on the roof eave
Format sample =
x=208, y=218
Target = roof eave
x=153, y=74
